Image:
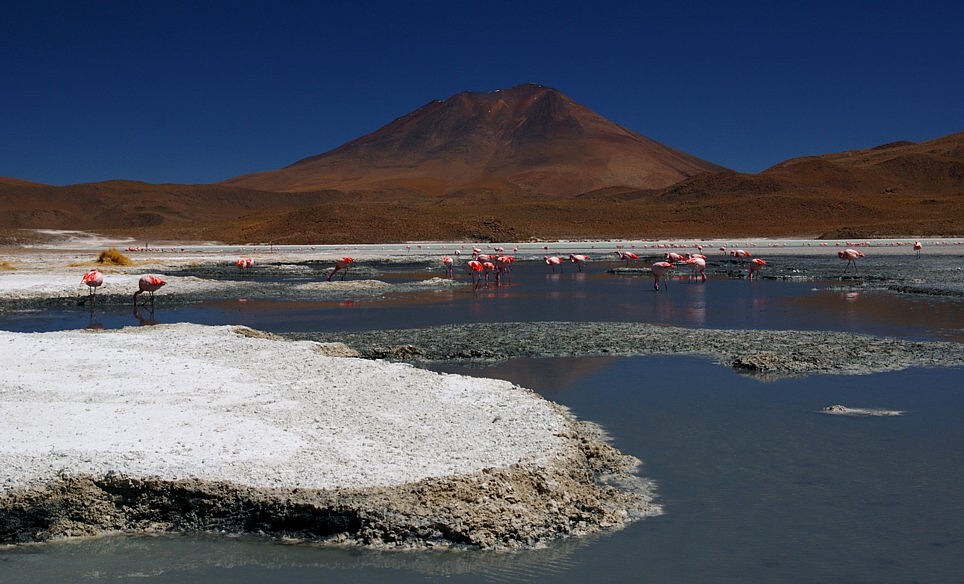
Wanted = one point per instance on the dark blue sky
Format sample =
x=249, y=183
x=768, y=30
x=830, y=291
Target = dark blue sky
x=196, y=92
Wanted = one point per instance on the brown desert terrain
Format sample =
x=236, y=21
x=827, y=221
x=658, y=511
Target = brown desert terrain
x=515, y=165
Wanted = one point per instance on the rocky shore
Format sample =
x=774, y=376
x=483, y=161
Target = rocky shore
x=762, y=353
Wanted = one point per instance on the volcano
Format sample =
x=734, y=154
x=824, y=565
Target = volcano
x=528, y=139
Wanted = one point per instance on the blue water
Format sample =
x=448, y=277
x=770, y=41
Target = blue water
x=757, y=485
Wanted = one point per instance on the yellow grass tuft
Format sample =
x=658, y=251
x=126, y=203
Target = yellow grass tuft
x=7, y=266
x=113, y=257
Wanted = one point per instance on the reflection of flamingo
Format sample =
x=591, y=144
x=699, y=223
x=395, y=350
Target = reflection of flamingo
x=93, y=279
x=149, y=284
x=449, y=264
x=755, y=264
x=578, y=259
x=141, y=320
x=917, y=247
x=659, y=270
x=341, y=264
x=851, y=256
x=553, y=261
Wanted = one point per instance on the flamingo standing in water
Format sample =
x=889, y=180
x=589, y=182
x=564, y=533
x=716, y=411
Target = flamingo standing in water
x=578, y=259
x=755, y=264
x=553, y=261
x=475, y=268
x=851, y=256
x=741, y=255
x=449, y=264
x=659, y=270
x=149, y=284
x=93, y=279
x=488, y=268
x=917, y=247
x=699, y=266
x=244, y=264
x=341, y=264
x=628, y=256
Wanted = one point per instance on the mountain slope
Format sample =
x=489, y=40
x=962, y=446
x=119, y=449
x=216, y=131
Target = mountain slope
x=530, y=139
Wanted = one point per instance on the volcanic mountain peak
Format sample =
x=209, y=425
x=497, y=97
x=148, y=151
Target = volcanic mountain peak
x=529, y=138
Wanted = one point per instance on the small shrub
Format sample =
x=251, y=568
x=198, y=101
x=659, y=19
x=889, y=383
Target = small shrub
x=113, y=257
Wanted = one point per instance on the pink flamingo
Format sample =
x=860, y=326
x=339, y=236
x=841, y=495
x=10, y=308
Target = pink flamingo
x=917, y=247
x=659, y=270
x=341, y=264
x=553, y=261
x=449, y=264
x=475, y=268
x=699, y=266
x=149, y=284
x=672, y=256
x=851, y=256
x=741, y=255
x=244, y=264
x=488, y=267
x=93, y=279
x=628, y=256
x=755, y=264
x=578, y=259
x=503, y=264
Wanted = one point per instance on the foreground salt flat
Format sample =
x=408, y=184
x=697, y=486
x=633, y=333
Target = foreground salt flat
x=192, y=401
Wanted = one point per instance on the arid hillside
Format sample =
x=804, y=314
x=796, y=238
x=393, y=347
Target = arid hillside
x=899, y=189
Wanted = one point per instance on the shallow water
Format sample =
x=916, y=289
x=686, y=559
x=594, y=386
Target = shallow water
x=533, y=293
x=757, y=485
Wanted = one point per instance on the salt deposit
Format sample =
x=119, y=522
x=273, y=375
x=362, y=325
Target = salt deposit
x=191, y=401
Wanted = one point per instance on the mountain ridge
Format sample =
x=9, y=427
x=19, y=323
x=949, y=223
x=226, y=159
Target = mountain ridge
x=529, y=139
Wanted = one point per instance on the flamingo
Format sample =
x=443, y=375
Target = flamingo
x=659, y=270
x=755, y=264
x=475, y=268
x=917, y=247
x=672, y=256
x=149, y=284
x=93, y=279
x=699, y=266
x=488, y=267
x=449, y=264
x=578, y=259
x=503, y=264
x=553, y=261
x=851, y=256
x=741, y=254
x=244, y=264
x=341, y=264
x=627, y=255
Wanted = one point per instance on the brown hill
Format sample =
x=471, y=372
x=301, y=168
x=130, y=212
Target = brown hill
x=898, y=189
x=528, y=139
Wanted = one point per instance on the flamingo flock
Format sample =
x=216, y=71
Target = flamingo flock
x=485, y=268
